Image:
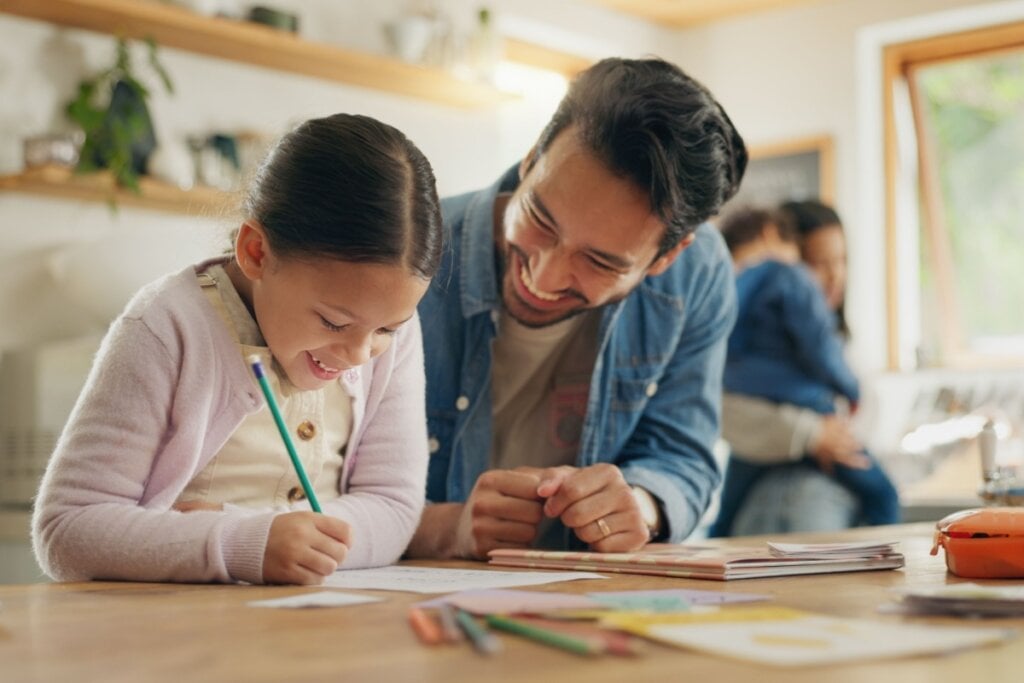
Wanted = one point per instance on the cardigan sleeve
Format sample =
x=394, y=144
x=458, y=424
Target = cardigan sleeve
x=387, y=470
x=132, y=442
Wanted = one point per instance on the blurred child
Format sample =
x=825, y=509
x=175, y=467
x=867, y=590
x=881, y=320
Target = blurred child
x=785, y=348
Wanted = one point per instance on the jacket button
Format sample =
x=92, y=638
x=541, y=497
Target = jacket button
x=295, y=494
x=433, y=445
x=461, y=403
x=651, y=389
x=306, y=430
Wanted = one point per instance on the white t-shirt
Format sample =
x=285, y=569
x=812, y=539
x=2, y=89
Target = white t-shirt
x=540, y=383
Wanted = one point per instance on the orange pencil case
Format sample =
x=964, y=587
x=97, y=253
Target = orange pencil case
x=986, y=543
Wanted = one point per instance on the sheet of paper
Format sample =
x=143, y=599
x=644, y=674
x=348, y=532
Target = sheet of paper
x=826, y=549
x=961, y=599
x=319, y=599
x=513, y=602
x=435, y=580
x=969, y=591
x=671, y=599
x=785, y=637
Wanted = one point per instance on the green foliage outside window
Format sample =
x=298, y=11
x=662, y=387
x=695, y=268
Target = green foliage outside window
x=975, y=111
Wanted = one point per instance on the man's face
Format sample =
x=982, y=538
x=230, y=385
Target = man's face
x=575, y=236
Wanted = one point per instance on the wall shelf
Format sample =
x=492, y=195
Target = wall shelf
x=543, y=57
x=61, y=182
x=251, y=43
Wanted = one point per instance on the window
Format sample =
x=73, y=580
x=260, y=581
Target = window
x=955, y=150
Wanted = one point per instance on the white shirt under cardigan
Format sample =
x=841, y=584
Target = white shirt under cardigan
x=252, y=469
x=167, y=390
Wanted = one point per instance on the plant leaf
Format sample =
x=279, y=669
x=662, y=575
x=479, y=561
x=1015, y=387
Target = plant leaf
x=157, y=66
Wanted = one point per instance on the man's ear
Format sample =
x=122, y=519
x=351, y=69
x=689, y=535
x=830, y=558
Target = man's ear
x=662, y=263
x=252, y=250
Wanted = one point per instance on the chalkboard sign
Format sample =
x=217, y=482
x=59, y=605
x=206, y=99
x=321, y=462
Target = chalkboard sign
x=801, y=169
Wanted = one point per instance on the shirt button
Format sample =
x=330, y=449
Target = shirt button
x=306, y=430
x=295, y=494
x=651, y=389
x=433, y=445
x=461, y=403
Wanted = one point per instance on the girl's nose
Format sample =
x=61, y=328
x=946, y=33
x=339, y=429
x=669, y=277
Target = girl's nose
x=356, y=350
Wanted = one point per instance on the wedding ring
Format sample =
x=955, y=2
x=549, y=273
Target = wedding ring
x=603, y=526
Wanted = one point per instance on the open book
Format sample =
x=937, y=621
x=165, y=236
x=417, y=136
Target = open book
x=717, y=563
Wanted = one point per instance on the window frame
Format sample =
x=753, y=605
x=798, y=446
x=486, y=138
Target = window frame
x=899, y=62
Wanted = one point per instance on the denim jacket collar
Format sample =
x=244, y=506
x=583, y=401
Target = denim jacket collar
x=478, y=284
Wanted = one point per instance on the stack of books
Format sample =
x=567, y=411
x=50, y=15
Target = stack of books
x=719, y=563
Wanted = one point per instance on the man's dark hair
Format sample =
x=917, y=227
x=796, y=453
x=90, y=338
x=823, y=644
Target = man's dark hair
x=650, y=123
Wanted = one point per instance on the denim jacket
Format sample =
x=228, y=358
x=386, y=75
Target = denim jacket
x=655, y=393
x=785, y=347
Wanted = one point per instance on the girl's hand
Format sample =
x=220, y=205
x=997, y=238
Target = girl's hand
x=304, y=547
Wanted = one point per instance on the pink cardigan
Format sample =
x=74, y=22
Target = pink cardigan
x=167, y=389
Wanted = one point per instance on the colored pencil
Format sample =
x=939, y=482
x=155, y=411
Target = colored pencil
x=426, y=629
x=562, y=641
x=484, y=642
x=261, y=378
x=449, y=626
x=612, y=641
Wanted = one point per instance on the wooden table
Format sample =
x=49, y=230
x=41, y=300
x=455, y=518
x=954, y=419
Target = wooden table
x=162, y=632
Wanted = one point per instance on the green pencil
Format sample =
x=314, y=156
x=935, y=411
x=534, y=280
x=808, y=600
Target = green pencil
x=261, y=377
x=542, y=635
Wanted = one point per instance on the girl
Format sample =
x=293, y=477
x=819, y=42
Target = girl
x=170, y=467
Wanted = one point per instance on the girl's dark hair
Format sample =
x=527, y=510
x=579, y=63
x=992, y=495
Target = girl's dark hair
x=352, y=188
x=746, y=224
x=650, y=123
x=809, y=216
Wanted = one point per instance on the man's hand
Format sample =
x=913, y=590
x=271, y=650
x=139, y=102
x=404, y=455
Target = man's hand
x=598, y=504
x=502, y=511
x=836, y=445
x=304, y=547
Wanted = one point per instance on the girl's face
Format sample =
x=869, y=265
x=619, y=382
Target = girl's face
x=824, y=252
x=323, y=316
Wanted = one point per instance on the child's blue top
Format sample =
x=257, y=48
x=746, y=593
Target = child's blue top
x=785, y=346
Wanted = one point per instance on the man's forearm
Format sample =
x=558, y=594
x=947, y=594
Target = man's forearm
x=435, y=538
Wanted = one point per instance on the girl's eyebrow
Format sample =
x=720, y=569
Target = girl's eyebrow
x=613, y=260
x=348, y=314
x=339, y=309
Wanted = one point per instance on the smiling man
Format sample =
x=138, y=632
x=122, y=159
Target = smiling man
x=575, y=334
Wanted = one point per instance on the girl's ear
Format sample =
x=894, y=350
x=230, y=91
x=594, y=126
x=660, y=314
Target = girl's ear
x=251, y=250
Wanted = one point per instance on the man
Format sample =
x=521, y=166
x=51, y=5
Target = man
x=575, y=335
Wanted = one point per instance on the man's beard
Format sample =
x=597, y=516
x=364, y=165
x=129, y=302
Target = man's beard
x=508, y=292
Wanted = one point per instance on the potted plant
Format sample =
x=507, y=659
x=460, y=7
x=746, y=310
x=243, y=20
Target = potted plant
x=111, y=109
